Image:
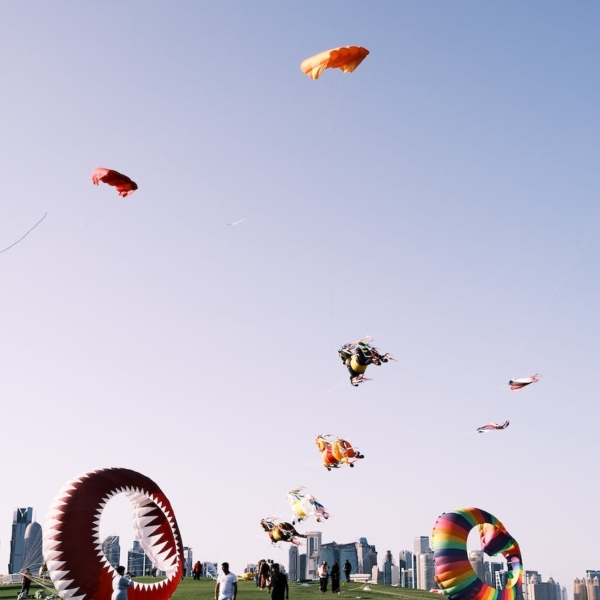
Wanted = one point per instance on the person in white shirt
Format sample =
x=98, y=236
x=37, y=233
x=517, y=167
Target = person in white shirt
x=120, y=584
x=226, y=588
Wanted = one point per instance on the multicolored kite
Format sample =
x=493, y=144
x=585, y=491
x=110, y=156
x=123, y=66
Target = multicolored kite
x=492, y=427
x=453, y=571
x=517, y=384
x=281, y=532
x=357, y=356
x=306, y=505
x=337, y=451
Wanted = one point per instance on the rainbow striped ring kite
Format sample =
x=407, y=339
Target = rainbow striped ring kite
x=72, y=546
x=453, y=571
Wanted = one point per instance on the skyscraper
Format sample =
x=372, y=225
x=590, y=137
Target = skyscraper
x=294, y=563
x=421, y=547
x=366, y=556
x=21, y=518
x=112, y=550
x=313, y=545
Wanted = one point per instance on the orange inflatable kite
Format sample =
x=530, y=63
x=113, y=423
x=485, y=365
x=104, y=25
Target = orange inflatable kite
x=346, y=58
x=124, y=185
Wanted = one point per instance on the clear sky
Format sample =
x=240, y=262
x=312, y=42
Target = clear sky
x=443, y=198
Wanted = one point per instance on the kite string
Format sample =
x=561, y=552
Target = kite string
x=586, y=238
x=24, y=236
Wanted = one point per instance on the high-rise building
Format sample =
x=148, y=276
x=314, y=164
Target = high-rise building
x=328, y=553
x=539, y=590
x=303, y=567
x=366, y=556
x=137, y=562
x=592, y=584
x=387, y=568
x=405, y=566
x=294, y=563
x=22, y=517
x=347, y=552
x=580, y=589
x=112, y=550
x=313, y=545
x=476, y=560
x=426, y=571
x=421, y=547
x=32, y=545
x=188, y=561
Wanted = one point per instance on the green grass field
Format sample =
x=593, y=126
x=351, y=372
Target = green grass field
x=247, y=590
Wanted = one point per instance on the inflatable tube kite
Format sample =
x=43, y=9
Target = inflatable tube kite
x=453, y=571
x=73, y=549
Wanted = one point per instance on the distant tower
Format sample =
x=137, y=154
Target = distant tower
x=580, y=589
x=405, y=566
x=21, y=518
x=32, y=546
x=476, y=560
x=294, y=563
x=313, y=545
x=421, y=547
x=593, y=587
x=366, y=555
x=112, y=550
x=188, y=560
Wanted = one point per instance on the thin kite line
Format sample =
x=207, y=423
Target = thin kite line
x=23, y=237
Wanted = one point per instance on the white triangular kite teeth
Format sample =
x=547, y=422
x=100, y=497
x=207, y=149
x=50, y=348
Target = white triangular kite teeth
x=63, y=584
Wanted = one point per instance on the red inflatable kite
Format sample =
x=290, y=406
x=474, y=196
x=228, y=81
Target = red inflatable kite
x=73, y=549
x=124, y=185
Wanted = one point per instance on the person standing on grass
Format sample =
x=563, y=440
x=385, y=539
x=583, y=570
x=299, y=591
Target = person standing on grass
x=323, y=577
x=25, y=583
x=335, y=577
x=226, y=588
x=120, y=584
x=278, y=585
x=347, y=569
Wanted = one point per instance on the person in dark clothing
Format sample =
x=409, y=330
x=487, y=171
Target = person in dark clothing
x=335, y=577
x=278, y=585
x=265, y=573
x=25, y=583
x=347, y=569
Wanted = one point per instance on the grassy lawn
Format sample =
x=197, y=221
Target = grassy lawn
x=247, y=590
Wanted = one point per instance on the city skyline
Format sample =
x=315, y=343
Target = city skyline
x=441, y=198
x=363, y=557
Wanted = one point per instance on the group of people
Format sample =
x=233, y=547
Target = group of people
x=270, y=577
x=324, y=575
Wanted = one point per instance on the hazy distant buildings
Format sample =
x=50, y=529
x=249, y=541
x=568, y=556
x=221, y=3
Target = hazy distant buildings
x=137, y=561
x=294, y=564
x=423, y=567
x=25, y=542
x=112, y=550
x=542, y=590
x=313, y=545
x=361, y=555
x=588, y=588
x=476, y=560
x=366, y=555
x=405, y=568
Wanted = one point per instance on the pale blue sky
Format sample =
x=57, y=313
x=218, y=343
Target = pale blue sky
x=443, y=198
